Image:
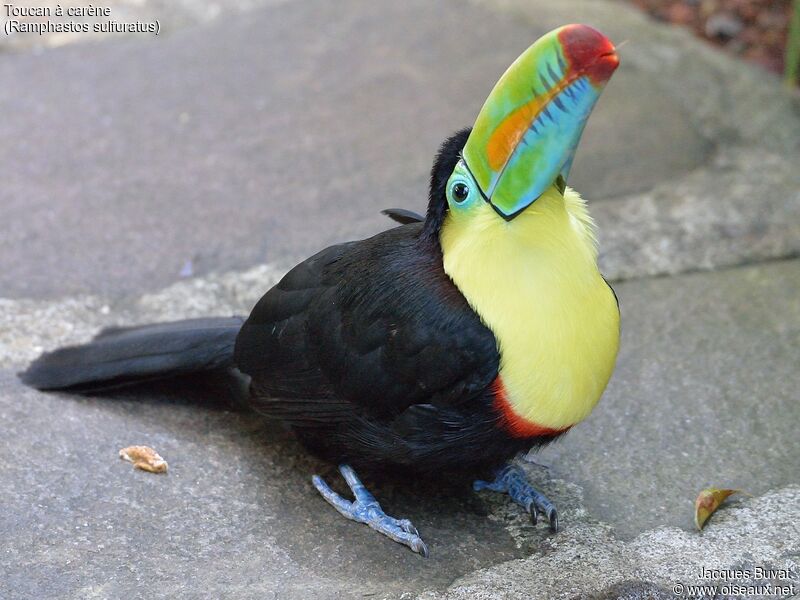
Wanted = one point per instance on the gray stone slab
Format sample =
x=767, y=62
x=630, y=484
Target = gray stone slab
x=744, y=207
x=270, y=134
x=235, y=517
x=751, y=552
x=705, y=394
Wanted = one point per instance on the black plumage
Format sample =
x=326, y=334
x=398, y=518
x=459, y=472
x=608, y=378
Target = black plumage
x=121, y=356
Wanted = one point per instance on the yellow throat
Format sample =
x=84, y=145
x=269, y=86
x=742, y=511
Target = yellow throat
x=534, y=282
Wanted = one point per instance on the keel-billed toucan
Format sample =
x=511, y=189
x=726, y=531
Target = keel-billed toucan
x=442, y=347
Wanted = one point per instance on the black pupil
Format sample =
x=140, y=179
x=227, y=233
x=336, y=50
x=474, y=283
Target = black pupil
x=460, y=192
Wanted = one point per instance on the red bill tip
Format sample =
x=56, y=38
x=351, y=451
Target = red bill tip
x=589, y=52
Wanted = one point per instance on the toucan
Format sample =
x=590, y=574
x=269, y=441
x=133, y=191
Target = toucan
x=444, y=346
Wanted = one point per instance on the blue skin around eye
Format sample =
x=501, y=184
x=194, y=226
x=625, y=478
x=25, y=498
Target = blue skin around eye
x=460, y=176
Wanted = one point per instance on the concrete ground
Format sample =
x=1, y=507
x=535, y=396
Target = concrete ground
x=240, y=141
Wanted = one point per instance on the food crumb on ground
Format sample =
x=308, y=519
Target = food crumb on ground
x=144, y=458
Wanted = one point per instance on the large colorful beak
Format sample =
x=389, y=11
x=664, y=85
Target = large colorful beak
x=527, y=131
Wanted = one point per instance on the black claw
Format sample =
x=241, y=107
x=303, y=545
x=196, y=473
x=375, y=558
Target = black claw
x=422, y=549
x=534, y=513
x=553, y=516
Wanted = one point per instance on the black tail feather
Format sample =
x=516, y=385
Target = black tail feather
x=127, y=355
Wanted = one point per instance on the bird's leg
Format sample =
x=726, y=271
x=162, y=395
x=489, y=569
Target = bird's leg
x=512, y=481
x=366, y=509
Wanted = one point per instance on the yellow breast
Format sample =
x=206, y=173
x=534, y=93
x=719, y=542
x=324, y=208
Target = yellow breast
x=535, y=283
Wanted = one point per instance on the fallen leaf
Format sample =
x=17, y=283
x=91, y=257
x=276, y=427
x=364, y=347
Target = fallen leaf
x=708, y=501
x=144, y=458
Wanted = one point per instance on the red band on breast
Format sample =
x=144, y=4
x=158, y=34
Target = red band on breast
x=514, y=424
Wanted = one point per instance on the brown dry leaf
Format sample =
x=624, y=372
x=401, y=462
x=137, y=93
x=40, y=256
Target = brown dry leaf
x=144, y=458
x=708, y=501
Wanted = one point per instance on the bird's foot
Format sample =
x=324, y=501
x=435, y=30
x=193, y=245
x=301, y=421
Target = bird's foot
x=512, y=481
x=366, y=509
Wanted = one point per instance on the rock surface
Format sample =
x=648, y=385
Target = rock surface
x=704, y=394
x=242, y=142
x=243, y=135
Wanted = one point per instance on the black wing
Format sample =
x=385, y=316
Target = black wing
x=370, y=327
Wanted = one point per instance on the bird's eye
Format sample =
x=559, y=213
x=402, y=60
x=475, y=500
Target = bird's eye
x=460, y=192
